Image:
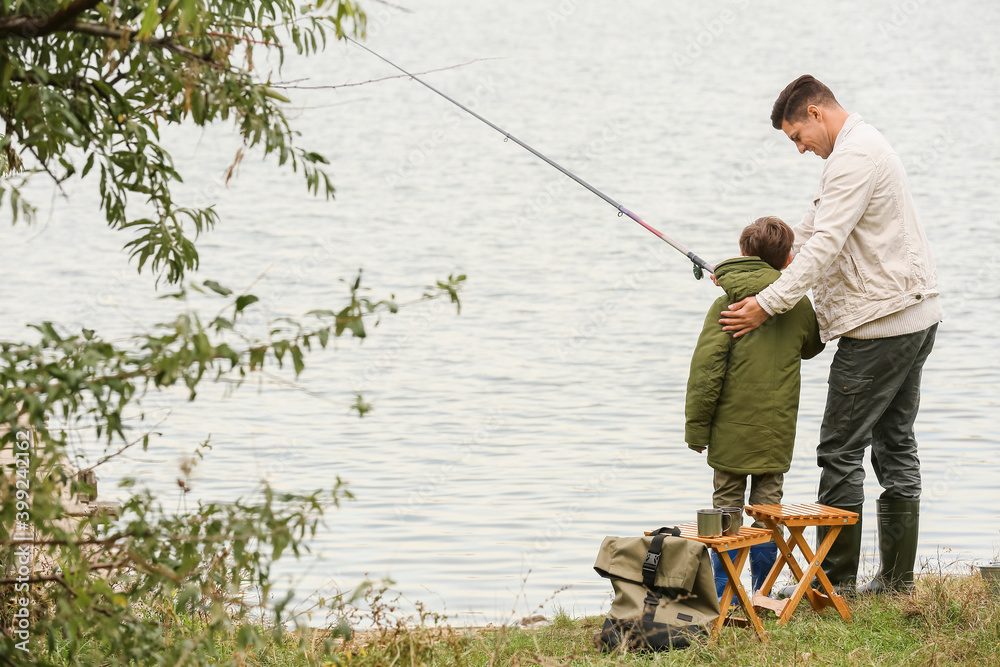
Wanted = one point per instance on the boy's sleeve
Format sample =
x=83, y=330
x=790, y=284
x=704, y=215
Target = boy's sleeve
x=708, y=370
x=812, y=344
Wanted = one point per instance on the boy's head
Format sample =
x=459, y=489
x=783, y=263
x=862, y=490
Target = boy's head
x=770, y=239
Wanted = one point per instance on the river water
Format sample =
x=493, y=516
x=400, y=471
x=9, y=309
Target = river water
x=507, y=441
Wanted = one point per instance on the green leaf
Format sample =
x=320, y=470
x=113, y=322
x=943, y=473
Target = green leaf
x=244, y=301
x=189, y=13
x=220, y=323
x=202, y=347
x=297, y=360
x=280, y=347
x=360, y=406
x=217, y=288
x=150, y=19
x=257, y=358
x=88, y=165
x=357, y=326
x=198, y=106
x=273, y=94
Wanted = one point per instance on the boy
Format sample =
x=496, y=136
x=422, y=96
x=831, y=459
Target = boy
x=743, y=394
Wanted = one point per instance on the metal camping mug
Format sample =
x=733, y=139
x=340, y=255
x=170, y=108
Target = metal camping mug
x=736, y=519
x=712, y=522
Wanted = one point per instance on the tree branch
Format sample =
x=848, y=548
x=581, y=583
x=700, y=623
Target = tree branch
x=384, y=78
x=96, y=540
x=59, y=577
x=98, y=30
x=55, y=179
x=152, y=568
x=30, y=27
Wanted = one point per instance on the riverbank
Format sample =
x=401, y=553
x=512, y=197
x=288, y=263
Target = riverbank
x=948, y=620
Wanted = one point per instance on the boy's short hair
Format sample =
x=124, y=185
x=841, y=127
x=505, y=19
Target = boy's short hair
x=793, y=101
x=768, y=238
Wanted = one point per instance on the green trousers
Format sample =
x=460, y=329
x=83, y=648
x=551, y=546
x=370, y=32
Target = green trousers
x=873, y=400
x=731, y=488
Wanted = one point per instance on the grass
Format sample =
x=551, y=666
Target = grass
x=947, y=620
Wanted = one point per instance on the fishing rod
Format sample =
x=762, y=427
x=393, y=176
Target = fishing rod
x=698, y=262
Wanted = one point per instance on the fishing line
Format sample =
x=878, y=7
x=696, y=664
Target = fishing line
x=698, y=262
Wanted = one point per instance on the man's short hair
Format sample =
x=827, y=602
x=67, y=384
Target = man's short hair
x=768, y=238
x=795, y=99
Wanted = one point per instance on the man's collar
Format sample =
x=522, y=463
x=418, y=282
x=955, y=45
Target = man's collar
x=852, y=121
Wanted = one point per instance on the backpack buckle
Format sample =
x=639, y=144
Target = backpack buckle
x=652, y=560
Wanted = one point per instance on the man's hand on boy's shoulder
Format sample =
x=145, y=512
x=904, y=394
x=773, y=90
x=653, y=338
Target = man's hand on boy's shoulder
x=743, y=317
x=697, y=448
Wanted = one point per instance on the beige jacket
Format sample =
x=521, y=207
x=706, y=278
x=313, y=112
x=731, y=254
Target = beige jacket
x=860, y=247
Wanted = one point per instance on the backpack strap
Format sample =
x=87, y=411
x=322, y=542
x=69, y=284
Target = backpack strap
x=653, y=554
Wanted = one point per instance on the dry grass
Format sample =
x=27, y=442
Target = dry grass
x=947, y=620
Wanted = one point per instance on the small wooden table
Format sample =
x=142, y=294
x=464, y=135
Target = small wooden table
x=722, y=545
x=796, y=518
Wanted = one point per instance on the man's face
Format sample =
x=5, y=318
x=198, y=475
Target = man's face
x=810, y=134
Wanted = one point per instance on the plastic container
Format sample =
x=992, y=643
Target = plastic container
x=991, y=576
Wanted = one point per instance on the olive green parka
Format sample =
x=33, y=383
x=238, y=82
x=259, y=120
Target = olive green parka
x=743, y=393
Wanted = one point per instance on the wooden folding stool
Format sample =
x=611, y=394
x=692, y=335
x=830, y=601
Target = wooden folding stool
x=796, y=518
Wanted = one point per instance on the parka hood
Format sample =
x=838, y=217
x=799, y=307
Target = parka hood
x=745, y=276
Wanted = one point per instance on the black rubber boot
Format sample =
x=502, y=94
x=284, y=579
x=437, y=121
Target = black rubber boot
x=841, y=562
x=898, y=528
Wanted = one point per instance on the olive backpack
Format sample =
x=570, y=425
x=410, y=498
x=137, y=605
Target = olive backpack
x=664, y=591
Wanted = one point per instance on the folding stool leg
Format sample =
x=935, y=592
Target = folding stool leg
x=832, y=598
x=734, y=585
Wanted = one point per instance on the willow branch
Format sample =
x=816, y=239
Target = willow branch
x=48, y=171
x=95, y=540
x=30, y=27
x=98, y=30
x=152, y=568
x=58, y=577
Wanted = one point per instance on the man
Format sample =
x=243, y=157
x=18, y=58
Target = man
x=862, y=251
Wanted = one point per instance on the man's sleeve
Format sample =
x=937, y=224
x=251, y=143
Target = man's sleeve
x=804, y=229
x=849, y=187
x=812, y=343
x=708, y=370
